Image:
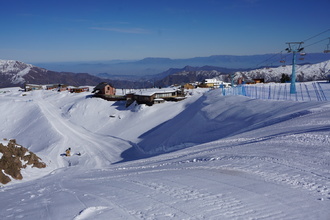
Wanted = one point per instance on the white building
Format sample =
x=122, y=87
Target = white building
x=216, y=83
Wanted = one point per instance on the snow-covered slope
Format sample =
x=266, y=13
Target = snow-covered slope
x=15, y=70
x=307, y=72
x=240, y=158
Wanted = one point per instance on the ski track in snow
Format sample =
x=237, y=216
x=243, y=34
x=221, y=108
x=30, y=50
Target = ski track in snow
x=73, y=135
x=274, y=169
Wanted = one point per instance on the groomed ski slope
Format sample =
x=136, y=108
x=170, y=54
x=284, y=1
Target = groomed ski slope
x=235, y=158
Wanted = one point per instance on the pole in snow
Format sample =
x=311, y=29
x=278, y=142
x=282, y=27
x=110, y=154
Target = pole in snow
x=294, y=47
x=232, y=75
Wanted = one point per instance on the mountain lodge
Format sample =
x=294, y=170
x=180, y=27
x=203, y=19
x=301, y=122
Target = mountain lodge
x=154, y=96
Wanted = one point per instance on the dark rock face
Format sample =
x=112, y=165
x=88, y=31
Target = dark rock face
x=14, y=158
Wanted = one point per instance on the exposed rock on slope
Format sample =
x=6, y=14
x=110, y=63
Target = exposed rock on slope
x=13, y=158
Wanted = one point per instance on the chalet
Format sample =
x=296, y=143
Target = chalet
x=212, y=83
x=188, y=86
x=62, y=88
x=154, y=96
x=108, y=92
x=30, y=87
x=215, y=83
x=51, y=87
x=104, y=88
x=58, y=87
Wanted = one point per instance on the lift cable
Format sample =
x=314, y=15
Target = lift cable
x=274, y=55
x=317, y=35
x=304, y=47
x=317, y=42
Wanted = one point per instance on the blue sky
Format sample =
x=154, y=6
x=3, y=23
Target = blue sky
x=89, y=30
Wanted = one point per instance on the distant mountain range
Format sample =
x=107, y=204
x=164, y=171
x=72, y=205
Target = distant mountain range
x=152, y=66
x=16, y=73
x=307, y=72
x=190, y=74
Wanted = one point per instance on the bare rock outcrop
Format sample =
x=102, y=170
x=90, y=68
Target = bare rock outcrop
x=14, y=158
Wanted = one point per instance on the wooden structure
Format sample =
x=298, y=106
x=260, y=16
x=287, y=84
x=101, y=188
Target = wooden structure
x=107, y=92
x=104, y=88
x=30, y=87
x=57, y=87
x=188, y=86
x=153, y=96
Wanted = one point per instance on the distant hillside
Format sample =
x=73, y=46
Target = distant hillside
x=307, y=72
x=190, y=74
x=154, y=65
x=16, y=73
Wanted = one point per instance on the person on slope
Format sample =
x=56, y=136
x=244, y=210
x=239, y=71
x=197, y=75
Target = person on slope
x=68, y=152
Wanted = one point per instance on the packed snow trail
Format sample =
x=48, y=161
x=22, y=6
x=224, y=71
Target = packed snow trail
x=97, y=151
x=197, y=189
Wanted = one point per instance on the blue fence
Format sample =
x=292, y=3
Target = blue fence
x=309, y=91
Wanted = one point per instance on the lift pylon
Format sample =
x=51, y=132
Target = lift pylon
x=294, y=47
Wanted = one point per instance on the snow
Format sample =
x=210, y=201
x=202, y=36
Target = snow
x=206, y=157
x=16, y=69
x=4, y=142
x=19, y=76
x=307, y=72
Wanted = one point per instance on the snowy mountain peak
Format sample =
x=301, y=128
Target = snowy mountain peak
x=15, y=70
x=307, y=72
x=13, y=66
x=16, y=73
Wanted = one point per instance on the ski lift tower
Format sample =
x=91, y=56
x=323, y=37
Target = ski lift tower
x=294, y=47
x=232, y=75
